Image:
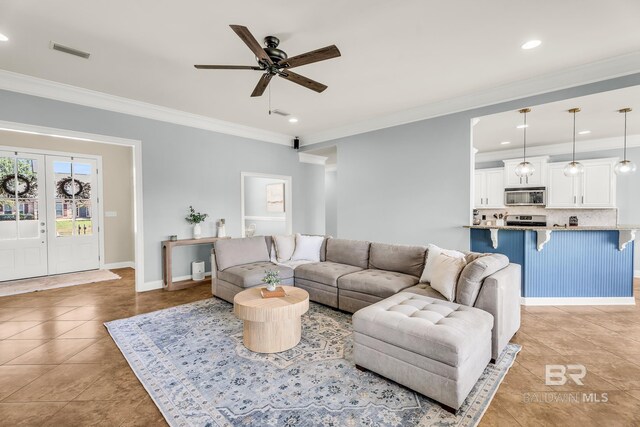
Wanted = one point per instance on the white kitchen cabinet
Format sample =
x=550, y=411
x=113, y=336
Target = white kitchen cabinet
x=489, y=188
x=538, y=179
x=595, y=188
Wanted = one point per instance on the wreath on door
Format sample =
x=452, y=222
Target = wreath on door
x=11, y=187
x=69, y=188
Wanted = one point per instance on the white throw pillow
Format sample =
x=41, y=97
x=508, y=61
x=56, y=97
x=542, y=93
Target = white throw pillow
x=307, y=248
x=432, y=253
x=272, y=254
x=446, y=271
x=285, y=245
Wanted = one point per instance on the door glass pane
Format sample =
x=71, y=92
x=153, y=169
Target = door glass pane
x=8, y=224
x=84, y=221
x=28, y=223
x=82, y=180
x=7, y=177
x=63, y=183
x=64, y=217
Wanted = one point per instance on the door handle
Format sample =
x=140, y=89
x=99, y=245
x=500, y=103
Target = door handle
x=582, y=200
x=575, y=200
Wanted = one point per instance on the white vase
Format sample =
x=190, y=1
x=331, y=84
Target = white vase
x=221, y=231
x=271, y=287
x=197, y=231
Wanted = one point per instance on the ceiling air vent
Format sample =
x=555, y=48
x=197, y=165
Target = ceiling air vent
x=280, y=113
x=71, y=51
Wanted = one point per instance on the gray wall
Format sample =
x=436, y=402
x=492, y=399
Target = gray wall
x=411, y=183
x=184, y=166
x=331, y=203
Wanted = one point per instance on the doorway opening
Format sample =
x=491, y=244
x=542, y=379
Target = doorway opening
x=266, y=204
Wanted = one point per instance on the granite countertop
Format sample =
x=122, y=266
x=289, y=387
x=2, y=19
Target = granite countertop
x=576, y=228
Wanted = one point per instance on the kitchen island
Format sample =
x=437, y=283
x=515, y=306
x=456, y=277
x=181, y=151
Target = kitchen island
x=566, y=265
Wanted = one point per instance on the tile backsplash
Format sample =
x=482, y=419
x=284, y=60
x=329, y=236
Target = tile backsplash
x=597, y=217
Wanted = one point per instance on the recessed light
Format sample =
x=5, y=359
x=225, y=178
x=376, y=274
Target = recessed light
x=505, y=142
x=293, y=120
x=531, y=44
x=3, y=38
x=522, y=126
x=584, y=132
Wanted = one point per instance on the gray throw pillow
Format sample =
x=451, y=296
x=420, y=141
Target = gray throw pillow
x=473, y=276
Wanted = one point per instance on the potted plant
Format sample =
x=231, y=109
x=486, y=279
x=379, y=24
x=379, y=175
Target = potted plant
x=272, y=279
x=196, y=218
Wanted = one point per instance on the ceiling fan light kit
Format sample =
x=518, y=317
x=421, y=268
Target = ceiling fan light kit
x=273, y=61
x=573, y=168
x=524, y=168
x=625, y=166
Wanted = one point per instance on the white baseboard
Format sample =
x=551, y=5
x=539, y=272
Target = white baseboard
x=158, y=284
x=636, y=273
x=125, y=264
x=578, y=301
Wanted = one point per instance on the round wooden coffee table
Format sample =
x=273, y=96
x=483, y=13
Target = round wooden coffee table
x=271, y=325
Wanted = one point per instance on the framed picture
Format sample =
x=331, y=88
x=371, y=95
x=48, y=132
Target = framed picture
x=275, y=197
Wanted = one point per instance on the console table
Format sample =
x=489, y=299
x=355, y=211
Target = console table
x=167, y=249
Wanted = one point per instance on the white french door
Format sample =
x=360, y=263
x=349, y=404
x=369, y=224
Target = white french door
x=48, y=215
x=23, y=239
x=72, y=219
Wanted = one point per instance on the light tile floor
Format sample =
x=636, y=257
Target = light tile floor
x=58, y=365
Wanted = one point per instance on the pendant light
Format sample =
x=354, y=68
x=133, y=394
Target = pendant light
x=625, y=167
x=573, y=168
x=524, y=168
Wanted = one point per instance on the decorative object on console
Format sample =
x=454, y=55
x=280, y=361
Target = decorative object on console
x=524, y=168
x=271, y=279
x=173, y=237
x=196, y=218
x=197, y=271
x=573, y=168
x=624, y=166
x=221, y=231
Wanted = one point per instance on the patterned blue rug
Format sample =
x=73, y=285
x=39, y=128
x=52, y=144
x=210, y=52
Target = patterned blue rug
x=193, y=364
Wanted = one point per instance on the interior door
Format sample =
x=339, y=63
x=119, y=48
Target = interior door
x=72, y=211
x=23, y=240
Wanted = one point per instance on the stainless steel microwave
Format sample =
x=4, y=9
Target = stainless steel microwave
x=532, y=196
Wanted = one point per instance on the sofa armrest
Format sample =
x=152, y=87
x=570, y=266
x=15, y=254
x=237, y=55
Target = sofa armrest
x=214, y=272
x=500, y=296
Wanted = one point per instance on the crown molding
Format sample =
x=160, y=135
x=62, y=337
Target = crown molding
x=571, y=77
x=633, y=141
x=29, y=85
x=331, y=168
x=312, y=158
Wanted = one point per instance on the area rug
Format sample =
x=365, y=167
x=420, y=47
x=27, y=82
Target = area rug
x=23, y=286
x=193, y=364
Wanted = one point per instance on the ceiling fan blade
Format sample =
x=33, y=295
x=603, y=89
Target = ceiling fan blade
x=226, y=67
x=311, y=57
x=251, y=42
x=262, y=84
x=302, y=80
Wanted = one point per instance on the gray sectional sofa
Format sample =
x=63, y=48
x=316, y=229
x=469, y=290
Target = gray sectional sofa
x=381, y=283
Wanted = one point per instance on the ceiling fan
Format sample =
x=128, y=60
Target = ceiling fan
x=275, y=62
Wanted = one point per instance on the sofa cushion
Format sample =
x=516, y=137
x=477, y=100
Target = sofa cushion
x=439, y=330
x=426, y=290
x=473, y=276
x=352, y=252
x=445, y=275
x=232, y=252
x=380, y=283
x=285, y=245
x=432, y=254
x=326, y=273
x=400, y=258
x=307, y=248
x=249, y=275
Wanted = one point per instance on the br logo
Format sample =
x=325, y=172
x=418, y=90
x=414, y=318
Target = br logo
x=558, y=374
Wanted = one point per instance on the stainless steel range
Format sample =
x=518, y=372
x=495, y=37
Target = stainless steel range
x=527, y=220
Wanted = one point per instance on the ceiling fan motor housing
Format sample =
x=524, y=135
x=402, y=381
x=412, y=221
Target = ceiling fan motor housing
x=272, y=50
